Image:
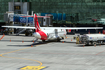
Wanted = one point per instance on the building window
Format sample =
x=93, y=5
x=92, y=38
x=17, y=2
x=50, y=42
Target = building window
x=96, y=0
x=103, y=0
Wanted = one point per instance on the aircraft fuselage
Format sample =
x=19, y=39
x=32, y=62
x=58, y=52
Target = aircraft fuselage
x=50, y=34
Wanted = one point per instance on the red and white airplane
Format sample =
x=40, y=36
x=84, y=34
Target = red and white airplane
x=50, y=33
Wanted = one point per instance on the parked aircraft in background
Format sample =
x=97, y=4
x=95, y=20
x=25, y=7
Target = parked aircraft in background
x=49, y=33
x=102, y=20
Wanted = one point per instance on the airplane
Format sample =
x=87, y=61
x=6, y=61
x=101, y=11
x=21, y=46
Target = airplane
x=102, y=20
x=49, y=33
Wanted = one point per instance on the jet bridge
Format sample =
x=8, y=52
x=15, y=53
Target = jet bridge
x=12, y=19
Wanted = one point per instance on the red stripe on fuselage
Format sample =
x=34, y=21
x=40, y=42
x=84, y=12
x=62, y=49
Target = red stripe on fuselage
x=43, y=35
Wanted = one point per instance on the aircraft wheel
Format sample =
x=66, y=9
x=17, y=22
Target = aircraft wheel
x=58, y=40
x=43, y=40
x=62, y=37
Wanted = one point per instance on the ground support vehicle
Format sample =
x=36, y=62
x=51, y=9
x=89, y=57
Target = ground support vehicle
x=91, y=39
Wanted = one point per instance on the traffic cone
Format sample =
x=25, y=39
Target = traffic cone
x=10, y=39
x=31, y=45
x=33, y=41
x=66, y=36
x=83, y=46
x=62, y=41
x=71, y=39
x=22, y=41
x=99, y=33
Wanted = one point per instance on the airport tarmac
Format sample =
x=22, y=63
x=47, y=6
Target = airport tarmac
x=19, y=53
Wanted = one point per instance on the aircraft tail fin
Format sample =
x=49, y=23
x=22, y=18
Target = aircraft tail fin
x=37, y=26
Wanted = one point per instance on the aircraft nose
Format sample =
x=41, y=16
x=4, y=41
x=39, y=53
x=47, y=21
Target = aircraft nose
x=37, y=35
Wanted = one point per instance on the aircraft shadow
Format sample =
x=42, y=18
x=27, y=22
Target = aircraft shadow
x=20, y=45
x=33, y=44
x=90, y=45
x=36, y=43
x=40, y=43
x=82, y=45
x=15, y=41
x=87, y=45
x=67, y=42
x=19, y=35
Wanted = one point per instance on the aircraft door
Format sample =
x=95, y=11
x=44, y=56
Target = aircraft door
x=56, y=32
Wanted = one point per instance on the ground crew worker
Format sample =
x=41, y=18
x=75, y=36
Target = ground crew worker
x=77, y=40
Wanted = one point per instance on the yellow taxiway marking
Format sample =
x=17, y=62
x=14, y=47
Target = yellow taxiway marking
x=32, y=67
x=15, y=50
x=37, y=67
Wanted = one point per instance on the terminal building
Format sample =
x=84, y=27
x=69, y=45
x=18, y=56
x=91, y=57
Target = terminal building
x=72, y=13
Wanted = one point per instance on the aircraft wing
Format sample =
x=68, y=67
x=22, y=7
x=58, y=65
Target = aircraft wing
x=24, y=27
x=72, y=28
